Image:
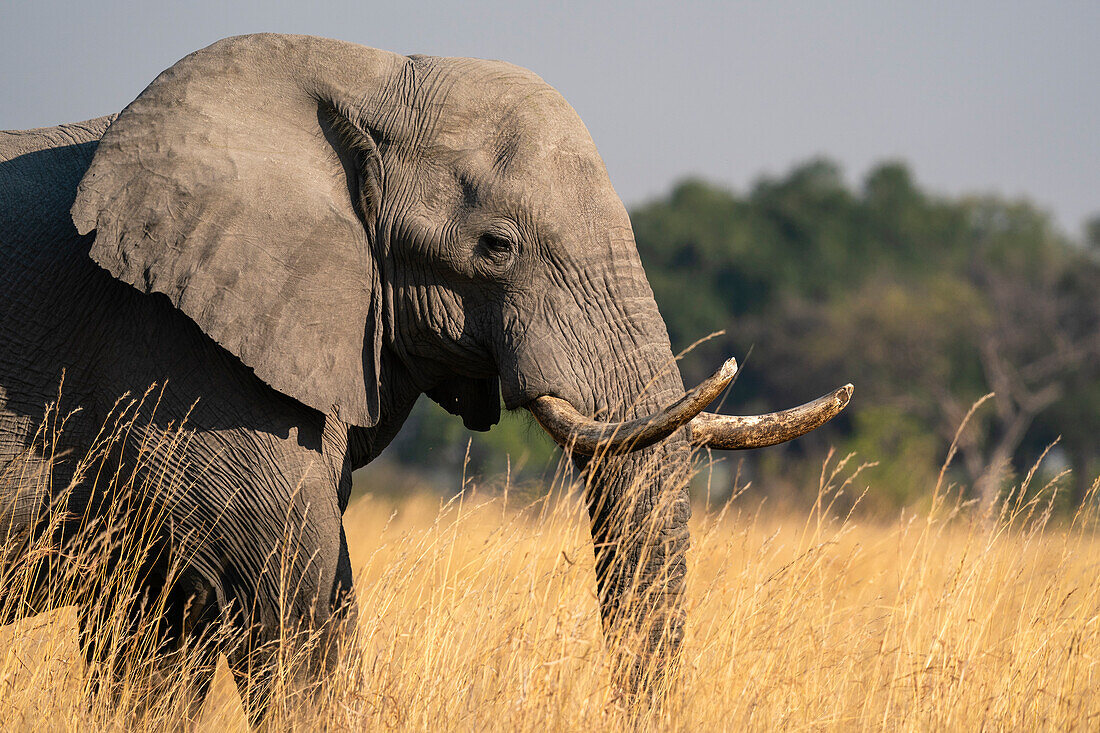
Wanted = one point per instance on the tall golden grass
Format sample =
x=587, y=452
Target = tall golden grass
x=479, y=613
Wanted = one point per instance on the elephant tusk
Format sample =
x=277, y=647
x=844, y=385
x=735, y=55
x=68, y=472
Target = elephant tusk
x=581, y=434
x=735, y=432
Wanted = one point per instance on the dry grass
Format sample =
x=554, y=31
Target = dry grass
x=479, y=614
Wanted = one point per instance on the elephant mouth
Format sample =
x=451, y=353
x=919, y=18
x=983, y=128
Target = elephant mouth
x=476, y=401
x=583, y=435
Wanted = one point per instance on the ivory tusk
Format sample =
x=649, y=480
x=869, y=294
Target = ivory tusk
x=584, y=435
x=736, y=432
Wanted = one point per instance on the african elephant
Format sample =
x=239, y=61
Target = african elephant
x=296, y=237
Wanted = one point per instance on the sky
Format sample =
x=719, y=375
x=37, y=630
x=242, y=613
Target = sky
x=982, y=96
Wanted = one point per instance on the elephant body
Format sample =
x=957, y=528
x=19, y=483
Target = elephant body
x=294, y=238
x=153, y=248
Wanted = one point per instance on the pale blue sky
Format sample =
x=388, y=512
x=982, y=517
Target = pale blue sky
x=990, y=95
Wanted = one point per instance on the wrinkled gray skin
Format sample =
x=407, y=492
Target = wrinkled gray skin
x=304, y=235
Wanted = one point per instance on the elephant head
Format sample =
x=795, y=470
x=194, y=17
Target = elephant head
x=353, y=224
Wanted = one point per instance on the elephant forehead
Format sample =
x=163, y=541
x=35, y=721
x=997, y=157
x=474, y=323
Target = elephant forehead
x=538, y=190
x=505, y=110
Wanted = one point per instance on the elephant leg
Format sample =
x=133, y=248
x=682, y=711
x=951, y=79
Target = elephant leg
x=177, y=648
x=344, y=612
x=253, y=660
x=299, y=655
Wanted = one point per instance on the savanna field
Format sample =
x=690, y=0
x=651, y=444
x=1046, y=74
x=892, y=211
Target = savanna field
x=479, y=613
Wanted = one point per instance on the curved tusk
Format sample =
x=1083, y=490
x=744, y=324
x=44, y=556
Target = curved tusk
x=735, y=432
x=584, y=435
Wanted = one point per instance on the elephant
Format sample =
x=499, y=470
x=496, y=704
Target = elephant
x=295, y=238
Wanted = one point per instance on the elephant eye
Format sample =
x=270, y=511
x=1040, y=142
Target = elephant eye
x=494, y=245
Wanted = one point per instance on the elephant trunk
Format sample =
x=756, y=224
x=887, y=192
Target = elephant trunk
x=637, y=500
x=639, y=510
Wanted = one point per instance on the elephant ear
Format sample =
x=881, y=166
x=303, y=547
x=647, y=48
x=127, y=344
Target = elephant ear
x=244, y=185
